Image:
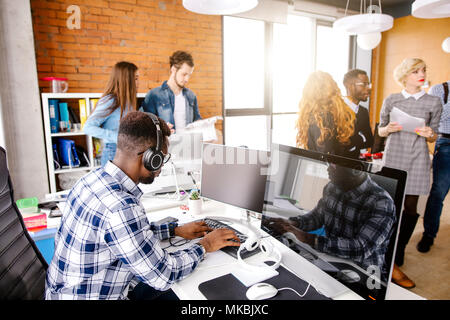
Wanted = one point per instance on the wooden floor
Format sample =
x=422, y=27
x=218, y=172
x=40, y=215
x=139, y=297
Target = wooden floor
x=430, y=271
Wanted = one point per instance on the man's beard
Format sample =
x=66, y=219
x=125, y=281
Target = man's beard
x=147, y=180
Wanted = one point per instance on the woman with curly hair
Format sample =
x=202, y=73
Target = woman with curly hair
x=325, y=122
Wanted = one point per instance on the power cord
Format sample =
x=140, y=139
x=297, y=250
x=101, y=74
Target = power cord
x=300, y=295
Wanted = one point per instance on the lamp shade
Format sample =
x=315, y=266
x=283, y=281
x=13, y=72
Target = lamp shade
x=219, y=7
x=429, y=9
x=446, y=45
x=364, y=23
x=368, y=41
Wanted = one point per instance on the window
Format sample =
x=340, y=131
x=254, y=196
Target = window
x=265, y=68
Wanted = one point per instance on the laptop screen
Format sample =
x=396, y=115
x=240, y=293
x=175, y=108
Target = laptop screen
x=337, y=213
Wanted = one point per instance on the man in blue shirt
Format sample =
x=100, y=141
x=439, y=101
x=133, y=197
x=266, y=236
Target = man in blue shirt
x=172, y=101
x=105, y=240
x=441, y=171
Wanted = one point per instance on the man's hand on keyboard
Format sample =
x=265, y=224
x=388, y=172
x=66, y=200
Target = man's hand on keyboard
x=219, y=238
x=192, y=230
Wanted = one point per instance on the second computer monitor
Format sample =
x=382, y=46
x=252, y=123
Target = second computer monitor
x=234, y=175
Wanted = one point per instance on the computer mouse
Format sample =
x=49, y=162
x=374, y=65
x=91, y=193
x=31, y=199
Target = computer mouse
x=349, y=276
x=261, y=291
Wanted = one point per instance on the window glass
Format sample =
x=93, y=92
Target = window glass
x=243, y=63
x=249, y=131
x=291, y=61
x=333, y=53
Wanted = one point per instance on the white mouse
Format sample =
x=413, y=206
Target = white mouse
x=261, y=291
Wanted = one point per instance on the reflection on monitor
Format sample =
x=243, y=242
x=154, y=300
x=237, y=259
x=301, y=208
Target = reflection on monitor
x=336, y=214
x=186, y=157
x=234, y=175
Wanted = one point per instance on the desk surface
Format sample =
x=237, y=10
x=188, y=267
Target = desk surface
x=218, y=263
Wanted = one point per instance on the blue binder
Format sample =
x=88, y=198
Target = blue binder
x=67, y=153
x=64, y=117
x=53, y=110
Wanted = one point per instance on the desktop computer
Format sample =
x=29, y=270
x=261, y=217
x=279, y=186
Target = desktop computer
x=341, y=215
x=235, y=176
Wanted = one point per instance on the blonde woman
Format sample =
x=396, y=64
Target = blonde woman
x=408, y=151
x=325, y=122
x=119, y=98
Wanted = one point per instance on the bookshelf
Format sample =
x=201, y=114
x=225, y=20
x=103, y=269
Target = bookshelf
x=80, y=139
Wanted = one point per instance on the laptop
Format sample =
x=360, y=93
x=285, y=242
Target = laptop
x=341, y=215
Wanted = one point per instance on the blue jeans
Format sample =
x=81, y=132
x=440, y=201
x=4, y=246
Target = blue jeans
x=108, y=153
x=439, y=188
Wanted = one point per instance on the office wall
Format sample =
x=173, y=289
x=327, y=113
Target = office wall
x=144, y=32
x=20, y=103
x=410, y=37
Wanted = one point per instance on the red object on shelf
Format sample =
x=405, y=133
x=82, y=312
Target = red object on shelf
x=35, y=221
x=53, y=78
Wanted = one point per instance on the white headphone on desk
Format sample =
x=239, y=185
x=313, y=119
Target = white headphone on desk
x=272, y=254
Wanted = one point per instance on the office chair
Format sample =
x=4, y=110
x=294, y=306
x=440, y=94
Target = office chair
x=22, y=266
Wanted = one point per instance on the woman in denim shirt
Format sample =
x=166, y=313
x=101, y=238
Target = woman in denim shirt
x=118, y=99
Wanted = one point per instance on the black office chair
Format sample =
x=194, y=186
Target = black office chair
x=22, y=266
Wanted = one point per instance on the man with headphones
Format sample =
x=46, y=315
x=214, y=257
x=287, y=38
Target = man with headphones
x=105, y=239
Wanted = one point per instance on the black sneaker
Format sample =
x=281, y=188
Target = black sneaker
x=424, y=244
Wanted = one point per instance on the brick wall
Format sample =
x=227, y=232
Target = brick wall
x=144, y=32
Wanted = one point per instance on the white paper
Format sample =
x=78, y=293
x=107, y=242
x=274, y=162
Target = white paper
x=408, y=122
x=206, y=127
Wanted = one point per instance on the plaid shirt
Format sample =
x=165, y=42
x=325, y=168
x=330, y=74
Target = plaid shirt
x=358, y=223
x=105, y=240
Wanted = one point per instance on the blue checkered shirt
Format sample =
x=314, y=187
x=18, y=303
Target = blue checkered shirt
x=438, y=91
x=105, y=240
x=358, y=223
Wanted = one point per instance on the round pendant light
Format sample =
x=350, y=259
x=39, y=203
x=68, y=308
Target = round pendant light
x=368, y=41
x=364, y=23
x=219, y=7
x=429, y=9
x=446, y=45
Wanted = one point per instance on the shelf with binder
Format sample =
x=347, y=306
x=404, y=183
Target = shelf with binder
x=64, y=116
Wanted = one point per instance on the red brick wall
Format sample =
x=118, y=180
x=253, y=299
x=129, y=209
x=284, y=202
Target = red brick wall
x=144, y=32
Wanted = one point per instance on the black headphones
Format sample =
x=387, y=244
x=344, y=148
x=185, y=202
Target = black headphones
x=153, y=157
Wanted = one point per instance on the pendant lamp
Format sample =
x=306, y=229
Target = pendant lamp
x=429, y=9
x=219, y=7
x=368, y=22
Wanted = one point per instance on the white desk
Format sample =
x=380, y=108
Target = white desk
x=217, y=263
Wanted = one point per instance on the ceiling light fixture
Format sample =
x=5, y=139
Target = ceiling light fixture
x=371, y=21
x=219, y=7
x=430, y=9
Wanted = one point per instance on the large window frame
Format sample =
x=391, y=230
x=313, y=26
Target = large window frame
x=267, y=109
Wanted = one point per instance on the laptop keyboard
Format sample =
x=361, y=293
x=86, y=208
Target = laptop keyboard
x=232, y=251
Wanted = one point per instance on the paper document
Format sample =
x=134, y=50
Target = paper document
x=206, y=127
x=408, y=122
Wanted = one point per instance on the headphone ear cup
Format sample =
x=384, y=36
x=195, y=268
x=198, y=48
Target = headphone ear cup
x=151, y=160
x=251, y=243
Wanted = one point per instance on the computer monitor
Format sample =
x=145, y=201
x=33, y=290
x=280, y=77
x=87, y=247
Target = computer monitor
x=234, y=175
x=339, y=214
x=183, y=168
